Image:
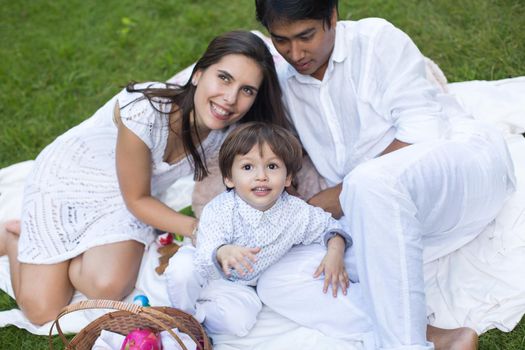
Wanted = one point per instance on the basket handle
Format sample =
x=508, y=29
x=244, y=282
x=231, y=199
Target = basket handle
x=145, y=312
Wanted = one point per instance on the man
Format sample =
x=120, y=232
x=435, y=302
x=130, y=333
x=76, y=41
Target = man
x=413, y=176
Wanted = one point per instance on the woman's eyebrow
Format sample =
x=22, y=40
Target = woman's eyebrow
x=227, y=74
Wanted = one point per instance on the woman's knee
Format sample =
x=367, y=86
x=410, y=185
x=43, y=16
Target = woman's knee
x=38, y=309
x=110, y=286
x=108, y=271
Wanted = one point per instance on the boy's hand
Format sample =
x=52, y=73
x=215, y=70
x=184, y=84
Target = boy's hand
x=333, y=267
x=235, y=257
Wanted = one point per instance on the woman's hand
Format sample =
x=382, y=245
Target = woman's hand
x=236, y=257
x=333, y=267
x=329, y=201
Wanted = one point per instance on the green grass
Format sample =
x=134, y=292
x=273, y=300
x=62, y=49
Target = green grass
x=60, y=60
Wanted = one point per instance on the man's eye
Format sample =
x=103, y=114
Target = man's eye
x=224, y=77
x=307, y=37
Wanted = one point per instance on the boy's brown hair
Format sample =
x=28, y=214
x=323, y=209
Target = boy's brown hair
x=281, y=141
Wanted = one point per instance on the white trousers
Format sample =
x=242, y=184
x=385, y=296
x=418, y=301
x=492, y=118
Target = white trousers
x=222, y=306
x=402, y=209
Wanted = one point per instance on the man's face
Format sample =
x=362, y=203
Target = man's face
x=305, y=44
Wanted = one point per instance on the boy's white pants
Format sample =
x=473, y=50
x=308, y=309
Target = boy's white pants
x=222, y=306
x=402, y=209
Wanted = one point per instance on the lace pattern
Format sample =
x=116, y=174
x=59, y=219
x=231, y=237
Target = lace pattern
x=72, y=201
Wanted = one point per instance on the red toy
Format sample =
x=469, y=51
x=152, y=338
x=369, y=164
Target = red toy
x=165, y=239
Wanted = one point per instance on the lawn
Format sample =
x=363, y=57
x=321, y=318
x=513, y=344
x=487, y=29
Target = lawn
x=60, y=60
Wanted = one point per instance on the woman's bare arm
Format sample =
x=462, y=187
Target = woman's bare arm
x=133, y=162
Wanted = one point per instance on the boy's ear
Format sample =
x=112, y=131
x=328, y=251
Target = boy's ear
x=228, y=183
x=288, y=181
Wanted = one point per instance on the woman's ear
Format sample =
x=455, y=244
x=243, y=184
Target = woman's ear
x=196, y=77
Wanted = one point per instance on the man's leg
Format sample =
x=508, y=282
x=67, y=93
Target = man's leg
x=439, y=194
x=289, y=288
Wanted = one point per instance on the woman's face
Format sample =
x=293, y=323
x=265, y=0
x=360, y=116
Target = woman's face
x=226, y=91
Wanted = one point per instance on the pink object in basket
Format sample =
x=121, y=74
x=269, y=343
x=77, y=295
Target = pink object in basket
x=142, y=339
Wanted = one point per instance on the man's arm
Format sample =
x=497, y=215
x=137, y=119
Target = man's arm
x=394, y=146
x=329, y=199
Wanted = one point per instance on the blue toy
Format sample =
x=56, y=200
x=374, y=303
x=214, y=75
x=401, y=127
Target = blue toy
x=141, y=300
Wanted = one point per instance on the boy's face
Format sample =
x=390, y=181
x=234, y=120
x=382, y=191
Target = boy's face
x=305, y=44
x=259, y=179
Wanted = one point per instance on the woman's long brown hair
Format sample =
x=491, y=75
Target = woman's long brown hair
x=267, y=107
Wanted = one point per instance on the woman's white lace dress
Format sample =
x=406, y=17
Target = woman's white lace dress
x=72, y=200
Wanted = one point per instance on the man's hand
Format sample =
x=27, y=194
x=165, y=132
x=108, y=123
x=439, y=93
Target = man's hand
x=236, y=257
x=329, y=200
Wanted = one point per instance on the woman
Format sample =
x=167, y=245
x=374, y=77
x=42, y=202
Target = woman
x=90, y=204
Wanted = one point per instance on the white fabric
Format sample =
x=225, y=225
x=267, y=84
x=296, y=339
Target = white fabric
x=356, y=111
x=108, y=341
x=225, y=307
x=169, y=343
x=480, y=285
x=227, y=219
x=12, y=181
x=397, y=205
x=403, y=208
x=72, y=199
x=228, y=305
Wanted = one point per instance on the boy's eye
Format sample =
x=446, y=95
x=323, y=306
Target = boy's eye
x=273, y=166
x=247, y=167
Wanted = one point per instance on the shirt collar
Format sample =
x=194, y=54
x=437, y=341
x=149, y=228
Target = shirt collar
x=254, y=216
x=340, y=52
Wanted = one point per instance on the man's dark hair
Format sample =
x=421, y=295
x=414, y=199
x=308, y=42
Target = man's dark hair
x=272, y=11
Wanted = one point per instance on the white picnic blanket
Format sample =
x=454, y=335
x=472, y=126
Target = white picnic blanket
x=482, y=285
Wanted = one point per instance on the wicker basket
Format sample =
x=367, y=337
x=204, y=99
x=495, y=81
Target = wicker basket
x=128, y=318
